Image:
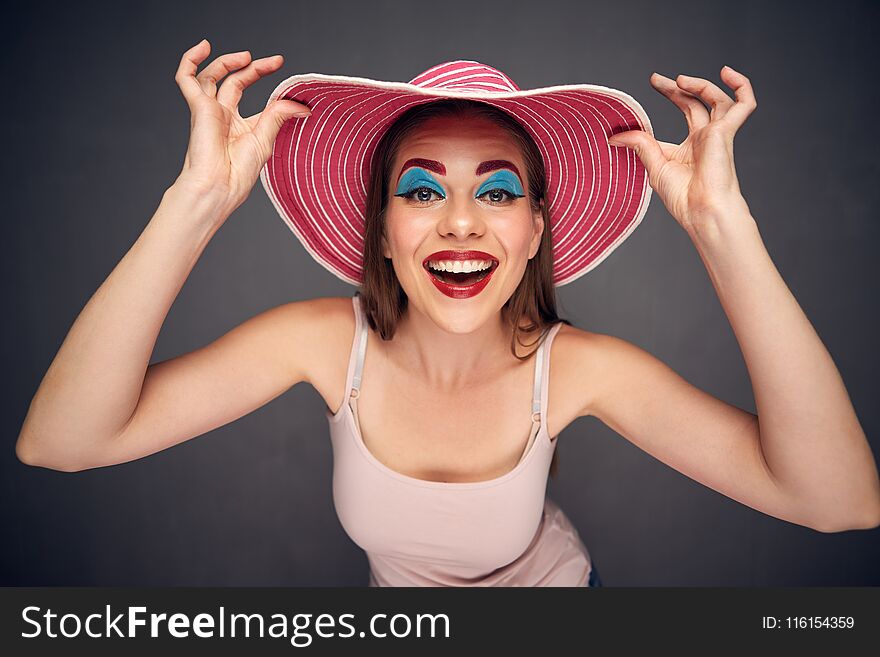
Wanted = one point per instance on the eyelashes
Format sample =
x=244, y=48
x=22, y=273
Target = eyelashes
x=414, y=195
x=411, y=195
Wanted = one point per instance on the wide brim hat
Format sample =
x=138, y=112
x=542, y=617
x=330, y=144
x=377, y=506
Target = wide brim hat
x=319, y=168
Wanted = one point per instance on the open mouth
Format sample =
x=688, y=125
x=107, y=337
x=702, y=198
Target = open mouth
x=460, y=279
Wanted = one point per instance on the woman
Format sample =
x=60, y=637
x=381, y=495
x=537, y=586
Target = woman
x=439, y=468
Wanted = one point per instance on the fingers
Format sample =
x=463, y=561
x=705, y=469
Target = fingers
x=195, y=86
x=695, y=112
x=648, y=149
x=271, y=119
x=219, y=68
x=299, y=110
x=745, y=97
x=689, y=93
x=719, y=101
x=231, y=90
x=186, y=71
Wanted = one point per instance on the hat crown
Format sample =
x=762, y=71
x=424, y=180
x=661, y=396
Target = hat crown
x=464, y=75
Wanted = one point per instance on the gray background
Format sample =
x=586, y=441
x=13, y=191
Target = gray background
x=96, y=129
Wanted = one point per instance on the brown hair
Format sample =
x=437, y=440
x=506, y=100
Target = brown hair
x=382, y=296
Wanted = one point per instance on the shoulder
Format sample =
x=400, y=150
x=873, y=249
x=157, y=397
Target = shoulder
x=316, y=316
x=317, y=331
x=574, y=343
x=587, y=364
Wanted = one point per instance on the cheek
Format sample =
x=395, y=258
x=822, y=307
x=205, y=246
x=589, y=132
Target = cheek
x=402, y=235
x=517, y=236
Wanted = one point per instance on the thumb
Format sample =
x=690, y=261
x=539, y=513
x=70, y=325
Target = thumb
x=273, y=117
x=644, y=145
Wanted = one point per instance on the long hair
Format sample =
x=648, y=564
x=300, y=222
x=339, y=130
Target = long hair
x=382, y=296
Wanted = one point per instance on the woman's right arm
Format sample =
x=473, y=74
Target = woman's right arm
x=88, y=397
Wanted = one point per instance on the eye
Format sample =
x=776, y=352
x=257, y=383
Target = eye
x=498, y=195
x=421, y=194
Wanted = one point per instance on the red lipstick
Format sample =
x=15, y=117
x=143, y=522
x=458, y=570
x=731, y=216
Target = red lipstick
x=460, y=291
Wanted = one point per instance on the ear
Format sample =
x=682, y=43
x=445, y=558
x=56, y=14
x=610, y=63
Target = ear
x=538, y=223
x=385, y=250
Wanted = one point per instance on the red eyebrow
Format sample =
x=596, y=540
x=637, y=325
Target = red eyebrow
x=433, y=165
x=492, y=165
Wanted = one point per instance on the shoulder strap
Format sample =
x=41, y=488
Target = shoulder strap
x=544, y=381
x=536, y=389
x=542, y=373
x=361, y=334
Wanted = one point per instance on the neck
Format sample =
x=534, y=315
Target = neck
x=449, y=361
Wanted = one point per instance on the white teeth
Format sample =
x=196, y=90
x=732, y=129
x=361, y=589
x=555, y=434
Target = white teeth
x=459, y=266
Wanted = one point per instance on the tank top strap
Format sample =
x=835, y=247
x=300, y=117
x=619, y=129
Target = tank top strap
x=354, y=382
x=542, y=374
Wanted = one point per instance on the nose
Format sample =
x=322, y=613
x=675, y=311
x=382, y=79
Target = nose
x=461, y=220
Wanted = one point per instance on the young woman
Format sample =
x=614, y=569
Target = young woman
x=456, y=203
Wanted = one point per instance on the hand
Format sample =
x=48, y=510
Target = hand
x=226, y=152
x=696, y=179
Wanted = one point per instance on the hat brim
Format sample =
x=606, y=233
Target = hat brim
x=316, y=176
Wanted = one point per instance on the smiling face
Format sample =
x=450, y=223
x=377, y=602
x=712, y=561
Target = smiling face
x=459, y=185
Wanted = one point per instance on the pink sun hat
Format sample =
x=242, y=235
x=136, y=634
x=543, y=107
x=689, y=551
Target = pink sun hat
x=318, y=172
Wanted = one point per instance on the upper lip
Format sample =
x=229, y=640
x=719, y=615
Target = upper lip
x=460, y=255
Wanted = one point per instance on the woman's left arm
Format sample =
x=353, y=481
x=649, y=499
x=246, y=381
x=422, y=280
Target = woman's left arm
x=810, y=437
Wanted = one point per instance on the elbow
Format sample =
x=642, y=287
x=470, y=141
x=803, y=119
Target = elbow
x=25, y=453
x=870, y=520
x=870, y=516
x=867, y=520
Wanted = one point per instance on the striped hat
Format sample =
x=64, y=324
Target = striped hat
x=319, y=169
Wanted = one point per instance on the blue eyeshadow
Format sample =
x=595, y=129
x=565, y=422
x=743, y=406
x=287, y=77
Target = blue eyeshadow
x=503, y=179
x=416, y=177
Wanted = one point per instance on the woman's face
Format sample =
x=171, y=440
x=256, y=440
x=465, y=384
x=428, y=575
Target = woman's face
x=460, y=185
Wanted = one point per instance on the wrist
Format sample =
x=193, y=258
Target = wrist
x=723, y=227
x=727, y=246
x=206, y=205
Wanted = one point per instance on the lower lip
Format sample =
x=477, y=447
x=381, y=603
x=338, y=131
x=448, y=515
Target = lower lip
x=460, y=291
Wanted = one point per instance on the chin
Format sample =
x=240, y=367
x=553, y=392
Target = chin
x=463, y=317
x=456, y=315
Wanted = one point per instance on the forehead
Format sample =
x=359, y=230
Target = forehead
x=454, y=140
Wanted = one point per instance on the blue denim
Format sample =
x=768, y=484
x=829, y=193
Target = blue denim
x=594, y=580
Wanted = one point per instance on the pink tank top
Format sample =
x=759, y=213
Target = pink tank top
x=501, y=532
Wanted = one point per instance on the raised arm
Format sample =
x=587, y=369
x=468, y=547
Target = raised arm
x=805, y=456
x=94, y=384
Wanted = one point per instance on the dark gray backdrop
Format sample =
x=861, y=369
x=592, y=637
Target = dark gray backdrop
x=96, y=129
